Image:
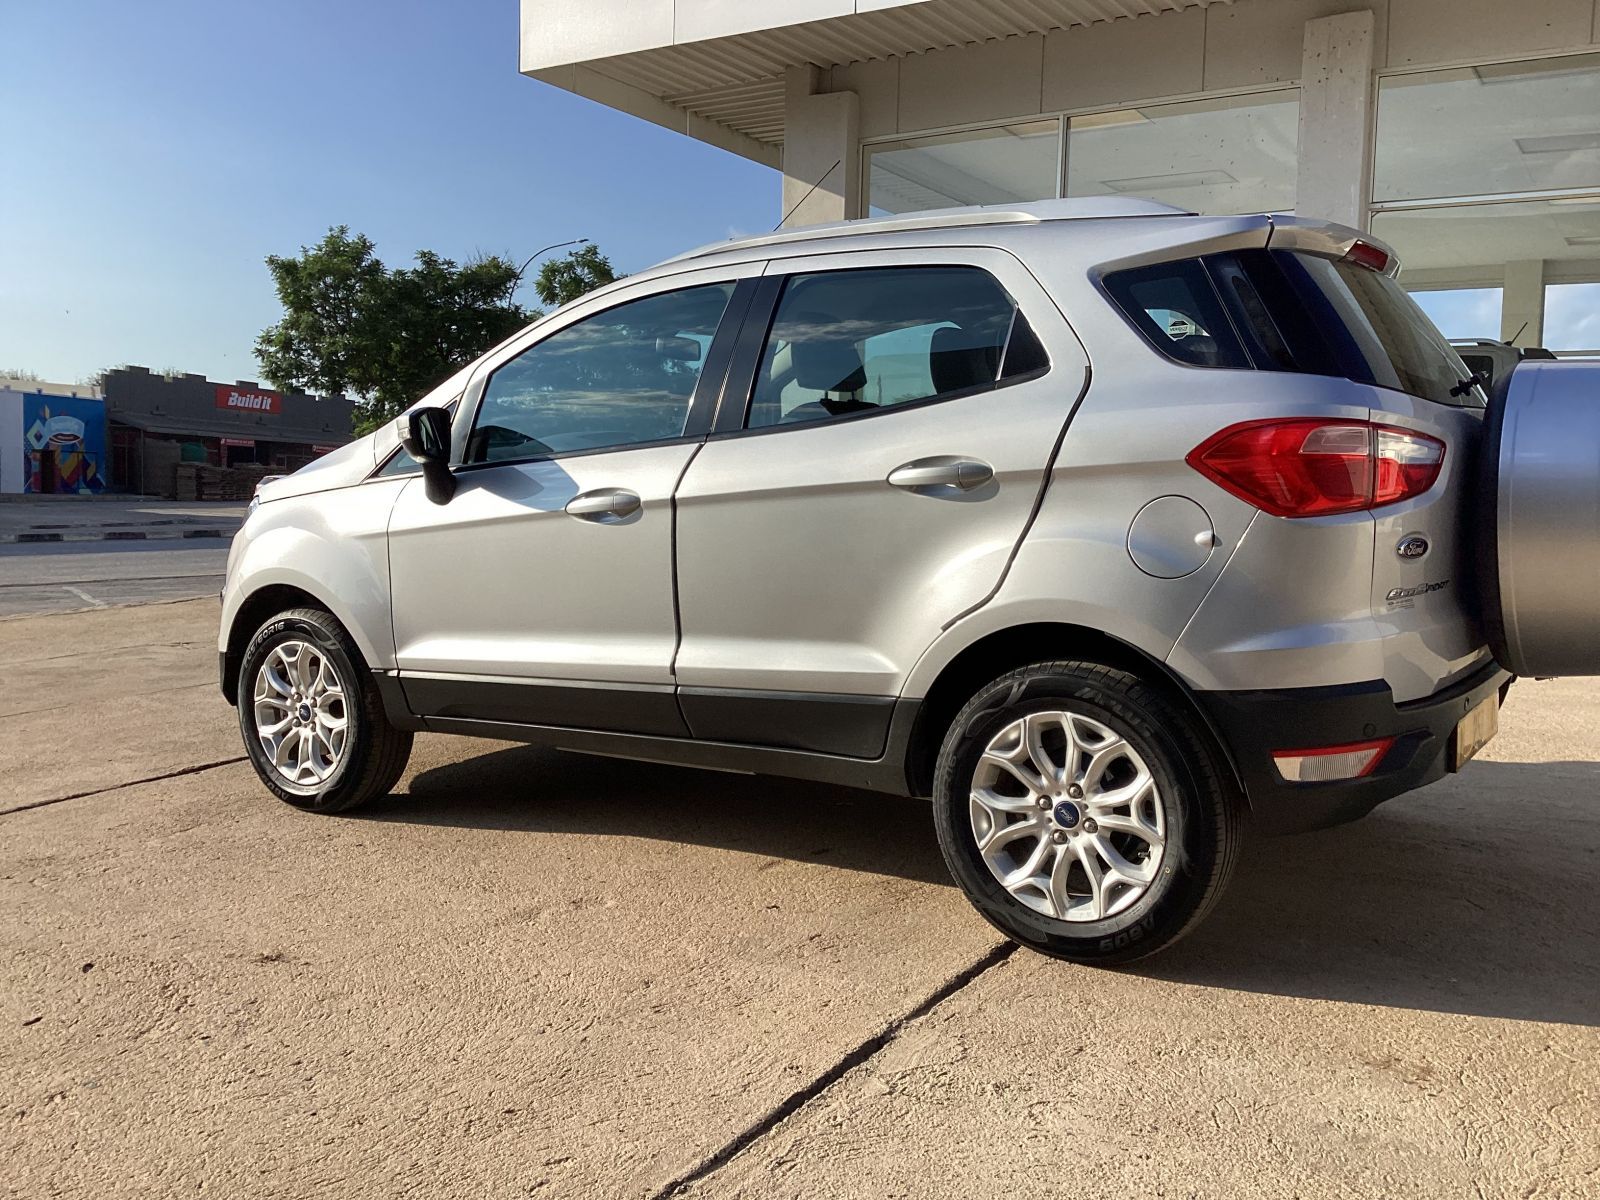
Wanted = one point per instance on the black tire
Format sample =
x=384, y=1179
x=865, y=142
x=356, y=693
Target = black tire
x=374, y=753
x=1202, y=811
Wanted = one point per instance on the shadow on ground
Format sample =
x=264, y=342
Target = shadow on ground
x=1476, y=896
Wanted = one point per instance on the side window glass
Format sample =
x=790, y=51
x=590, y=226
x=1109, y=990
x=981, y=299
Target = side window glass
x=847, y=342
x=1176, y=309
x=622, y=377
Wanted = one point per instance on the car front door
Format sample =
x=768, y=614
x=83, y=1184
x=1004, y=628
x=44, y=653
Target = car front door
x=542, y=592
x=865, y=488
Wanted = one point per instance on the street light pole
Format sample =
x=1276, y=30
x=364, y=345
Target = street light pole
x=546, y=250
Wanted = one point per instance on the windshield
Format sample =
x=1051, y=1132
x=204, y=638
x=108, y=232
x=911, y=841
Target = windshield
x=1382, y=337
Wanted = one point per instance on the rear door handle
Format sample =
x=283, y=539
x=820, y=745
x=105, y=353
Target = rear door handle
x=943, y=472
x=603, y=504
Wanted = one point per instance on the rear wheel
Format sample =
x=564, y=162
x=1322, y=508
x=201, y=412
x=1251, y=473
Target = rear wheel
x=1083, y=813
x=312, y=721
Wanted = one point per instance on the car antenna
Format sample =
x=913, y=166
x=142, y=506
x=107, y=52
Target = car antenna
x=807, y=196
x=1510, y=341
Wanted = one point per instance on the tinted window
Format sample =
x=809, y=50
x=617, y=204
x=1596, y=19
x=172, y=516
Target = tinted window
x=1177, y=309
x=620, y=378
x=1379, y=333
x=848, y=342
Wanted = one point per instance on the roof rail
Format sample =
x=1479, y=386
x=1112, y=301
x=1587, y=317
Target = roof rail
x=1078, y=208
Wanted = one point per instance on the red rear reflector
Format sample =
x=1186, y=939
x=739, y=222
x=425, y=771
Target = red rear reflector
x=1323, y=763
x=1365, y=254
x=1315, y=467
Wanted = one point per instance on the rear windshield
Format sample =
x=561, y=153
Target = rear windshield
x=1376, y=325
x=1286, y=311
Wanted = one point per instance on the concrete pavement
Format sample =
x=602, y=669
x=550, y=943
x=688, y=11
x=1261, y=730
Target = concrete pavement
x=529, y=973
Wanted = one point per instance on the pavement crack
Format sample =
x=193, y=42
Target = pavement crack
x=177, y=687
x=195, y=770
x=863, y=1051
x=97, y=654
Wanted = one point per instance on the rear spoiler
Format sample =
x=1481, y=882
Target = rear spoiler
x=1328, y=240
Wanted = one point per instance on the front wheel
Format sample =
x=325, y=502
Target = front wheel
x=313, y=723
x=1084, y=813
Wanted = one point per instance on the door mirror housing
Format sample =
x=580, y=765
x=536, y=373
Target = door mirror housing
x=427, y=440
x=427, y=436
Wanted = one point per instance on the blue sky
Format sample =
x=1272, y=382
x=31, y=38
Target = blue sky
x=155, y=153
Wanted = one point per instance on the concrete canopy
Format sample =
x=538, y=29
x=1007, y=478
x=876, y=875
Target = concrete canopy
x=715, y=69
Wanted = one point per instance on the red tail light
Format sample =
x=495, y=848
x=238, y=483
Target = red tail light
x=1316, y=467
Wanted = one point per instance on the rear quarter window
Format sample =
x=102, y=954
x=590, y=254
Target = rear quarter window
x=1176, y=308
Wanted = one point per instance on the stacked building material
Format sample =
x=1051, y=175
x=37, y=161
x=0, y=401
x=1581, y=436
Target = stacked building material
x=198, y=481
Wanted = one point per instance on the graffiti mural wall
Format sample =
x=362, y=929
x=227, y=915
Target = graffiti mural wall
x=64, y=444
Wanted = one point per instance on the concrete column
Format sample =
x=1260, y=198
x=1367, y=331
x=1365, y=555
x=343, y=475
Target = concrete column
x=1336, y=98
x=821, y=151
x=1523, y=303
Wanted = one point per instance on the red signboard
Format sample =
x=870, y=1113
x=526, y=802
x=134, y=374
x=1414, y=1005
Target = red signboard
x=244, y=400
x=236, y=441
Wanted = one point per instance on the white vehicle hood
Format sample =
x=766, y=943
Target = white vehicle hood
x=344, y=467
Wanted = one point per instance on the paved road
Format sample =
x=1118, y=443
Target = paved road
x=532, y=974
x=78, y=575
x=74, y=515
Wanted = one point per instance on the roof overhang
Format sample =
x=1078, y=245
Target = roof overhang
x=178, y=426
x=715, y=70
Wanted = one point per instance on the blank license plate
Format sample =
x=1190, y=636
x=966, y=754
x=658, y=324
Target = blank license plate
x=1474, y=731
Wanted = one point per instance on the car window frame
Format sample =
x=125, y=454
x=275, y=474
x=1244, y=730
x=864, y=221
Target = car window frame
x=744, y=277
x=733, y=411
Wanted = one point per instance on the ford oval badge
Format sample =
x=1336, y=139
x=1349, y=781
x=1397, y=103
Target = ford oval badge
x=1412, y=546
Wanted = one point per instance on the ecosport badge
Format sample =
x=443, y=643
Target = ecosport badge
x=1403, y=596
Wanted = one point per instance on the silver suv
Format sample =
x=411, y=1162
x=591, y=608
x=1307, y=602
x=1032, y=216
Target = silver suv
x=1113, y=529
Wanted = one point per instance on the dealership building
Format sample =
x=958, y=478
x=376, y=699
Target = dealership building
x=1466, y=133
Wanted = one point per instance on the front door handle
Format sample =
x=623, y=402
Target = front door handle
x=603, y=504
x=944, y=473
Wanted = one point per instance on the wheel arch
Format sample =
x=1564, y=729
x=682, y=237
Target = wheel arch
x=252, y=613
x=1003, y=650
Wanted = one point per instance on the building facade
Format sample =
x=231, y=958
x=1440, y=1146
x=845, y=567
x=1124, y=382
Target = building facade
x=52, y=439
x=1466, y=133
x=157, y=421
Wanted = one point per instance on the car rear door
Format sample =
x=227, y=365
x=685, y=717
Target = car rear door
x=885, y=436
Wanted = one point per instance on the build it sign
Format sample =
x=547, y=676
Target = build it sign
x=244, y=400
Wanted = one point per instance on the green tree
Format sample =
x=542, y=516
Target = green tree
x=352, y=325
x=563, y=280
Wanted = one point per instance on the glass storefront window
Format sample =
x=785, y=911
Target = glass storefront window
x=1572, y=318
x=1462, y=312
x=1496, y=129
x=1218, y=156
x=1001, y=165
x=1470, y=244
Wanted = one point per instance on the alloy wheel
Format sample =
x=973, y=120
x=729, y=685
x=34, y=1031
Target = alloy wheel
x=1067, y=816
x=301, y=717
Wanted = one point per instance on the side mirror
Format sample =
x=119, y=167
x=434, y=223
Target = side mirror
x=427, y=440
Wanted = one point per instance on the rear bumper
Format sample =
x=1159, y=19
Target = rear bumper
x=1254, y=724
